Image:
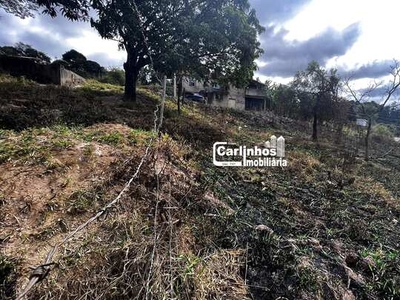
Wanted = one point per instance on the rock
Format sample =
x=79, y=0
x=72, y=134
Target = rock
x=348, y=295
x=264, y=228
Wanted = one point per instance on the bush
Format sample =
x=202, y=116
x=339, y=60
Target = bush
x=114, y=76
x=382, y=133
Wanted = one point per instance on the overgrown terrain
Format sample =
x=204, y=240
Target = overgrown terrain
x=325, y=227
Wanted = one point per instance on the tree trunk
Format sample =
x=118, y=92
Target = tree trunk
x=315, y=127
x=180, y=87
x=367, y=140
x=315, y=121
x=131, y=77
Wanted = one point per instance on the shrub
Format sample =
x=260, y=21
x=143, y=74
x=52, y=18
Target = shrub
x=114, y=76
x=382, y=133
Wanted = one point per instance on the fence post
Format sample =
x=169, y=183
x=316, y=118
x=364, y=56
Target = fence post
x=280, y=149
x=174, y=86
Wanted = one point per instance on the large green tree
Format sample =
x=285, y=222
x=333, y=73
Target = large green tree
x=77, y=62
x=182, y=36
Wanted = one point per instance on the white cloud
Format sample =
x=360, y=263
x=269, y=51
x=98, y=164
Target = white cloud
x=378, y=21
x=109, y=48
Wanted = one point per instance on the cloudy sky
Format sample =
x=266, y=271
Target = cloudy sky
x=356, y=36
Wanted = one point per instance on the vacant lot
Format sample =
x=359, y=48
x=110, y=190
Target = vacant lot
x=325, y=227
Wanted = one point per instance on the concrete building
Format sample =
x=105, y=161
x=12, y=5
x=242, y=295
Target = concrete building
x=253, y=97
x=192, y=85
x=42, y=73
x=256, y=97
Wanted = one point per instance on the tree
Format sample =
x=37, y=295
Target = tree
x=320, y=89
x=92, y=68
x=71, y=9
x=390, y=114
x=19, y=8
x=21, y=49
x=203, y=48
x=285, y=101
x=182, y=37
x=78, y=63
x=114, y=76
x=74, y=57
x=371, y=110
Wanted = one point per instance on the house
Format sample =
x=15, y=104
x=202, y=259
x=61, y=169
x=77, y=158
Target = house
x=256, y=96
x=193, y=86
x=253, y=97
x=226, y=96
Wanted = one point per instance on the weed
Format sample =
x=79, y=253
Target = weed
x=8, y=278
x=308, y=279
x=60, y=144
x=88, y=151
x=114, y=139
x=139, y=136
x=93, y=88
x=81, y=201
x=384, y=271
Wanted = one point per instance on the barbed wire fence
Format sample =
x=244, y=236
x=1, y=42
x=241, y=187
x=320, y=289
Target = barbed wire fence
x=40, y=272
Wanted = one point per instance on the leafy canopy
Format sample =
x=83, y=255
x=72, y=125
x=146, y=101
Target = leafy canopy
x=317, y=90
x=21, y=49
x=197, y=36
x=19, y=8
x=71, y=9
x=78, y=63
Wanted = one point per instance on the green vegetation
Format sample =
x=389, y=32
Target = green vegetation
x=383, y=132
x=96, y=88
x=324, y=227
x=24, y=50
x=114, y=76
x=230, y=29
x=8, y=278
x=81, y=201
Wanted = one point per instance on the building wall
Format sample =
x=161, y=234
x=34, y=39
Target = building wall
x=236, y=98
x=41, y=73
x=192, y=85
x=69, y=78
x=28, y=67
x=252, y=92
x=231, y=97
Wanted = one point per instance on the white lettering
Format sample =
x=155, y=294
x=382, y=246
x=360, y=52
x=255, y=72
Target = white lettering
x=221, y=151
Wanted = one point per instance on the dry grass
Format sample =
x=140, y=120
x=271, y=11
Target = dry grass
x=324, y=228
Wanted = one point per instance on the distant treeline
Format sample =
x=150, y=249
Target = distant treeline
x=390, y=115
x=314, y=94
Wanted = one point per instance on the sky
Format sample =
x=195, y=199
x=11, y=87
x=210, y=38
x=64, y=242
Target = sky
x=358, y=37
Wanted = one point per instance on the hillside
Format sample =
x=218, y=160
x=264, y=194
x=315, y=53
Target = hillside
x=325, y=227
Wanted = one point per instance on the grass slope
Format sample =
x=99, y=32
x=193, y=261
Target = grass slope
x=326, y=227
